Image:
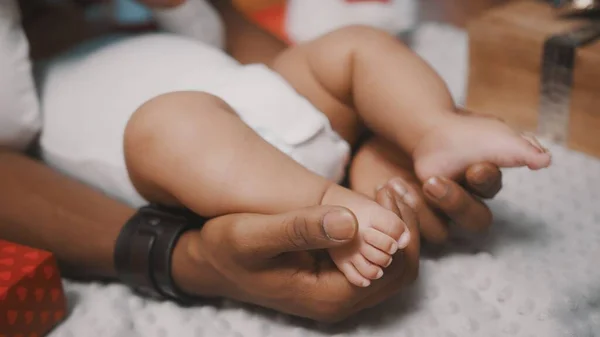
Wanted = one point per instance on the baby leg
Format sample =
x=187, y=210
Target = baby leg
x=400, y=98
x=230, y=169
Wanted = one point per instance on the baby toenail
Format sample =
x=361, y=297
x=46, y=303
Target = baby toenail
x=404, y=239
x=365, y=283
x=393, y=249
x=435, y=188
x=379, y=274
x=534, y=142
x=389, y=262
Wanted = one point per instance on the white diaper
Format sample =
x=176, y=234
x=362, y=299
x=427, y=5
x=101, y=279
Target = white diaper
x=271, y=106
x=89, y=95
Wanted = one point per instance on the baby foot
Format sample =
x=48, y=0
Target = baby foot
x=462, y=141
x=381, y=234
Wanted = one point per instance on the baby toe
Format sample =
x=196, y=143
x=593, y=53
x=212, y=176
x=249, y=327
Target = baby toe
x=380, y=241
x=366, y=268
x=540, y=161
x=353, y=275
x=375, y=255
x=538, y=156
x=388, y=223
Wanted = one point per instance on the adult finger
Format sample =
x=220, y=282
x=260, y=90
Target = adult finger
x=485, y=180
x=318, y=227
x=459, y=205
x=398, y=191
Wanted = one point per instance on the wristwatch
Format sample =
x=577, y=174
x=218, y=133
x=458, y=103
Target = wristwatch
x=144, y=250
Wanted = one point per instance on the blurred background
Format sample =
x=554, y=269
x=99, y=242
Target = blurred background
x=53, y=26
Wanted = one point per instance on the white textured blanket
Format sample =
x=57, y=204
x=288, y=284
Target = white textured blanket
x=535, y=274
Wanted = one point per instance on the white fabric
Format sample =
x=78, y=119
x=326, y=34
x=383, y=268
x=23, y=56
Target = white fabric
x=88, y=96
x=19, y=110
x=194, y=18
x=535, y=274
x=310, y=19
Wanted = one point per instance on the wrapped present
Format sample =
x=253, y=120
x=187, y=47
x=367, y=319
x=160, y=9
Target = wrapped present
x=538, y=69
x=32, y=299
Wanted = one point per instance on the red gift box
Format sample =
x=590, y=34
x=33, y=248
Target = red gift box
x=32, y=300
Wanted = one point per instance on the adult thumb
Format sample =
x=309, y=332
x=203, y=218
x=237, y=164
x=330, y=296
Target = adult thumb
x=312, y=228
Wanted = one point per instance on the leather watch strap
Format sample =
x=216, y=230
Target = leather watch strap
x=144, y=249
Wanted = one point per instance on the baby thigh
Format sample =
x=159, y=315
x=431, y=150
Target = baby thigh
x=283, y=141
x=251, y=142
x=197, y=150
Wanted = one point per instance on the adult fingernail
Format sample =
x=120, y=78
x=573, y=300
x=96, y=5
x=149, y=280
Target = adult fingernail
x=398, y=188
x=339, y=225
x=479, y=176
x=406, y=197
x=404, y=239
x=411, y=201
x=435, y=188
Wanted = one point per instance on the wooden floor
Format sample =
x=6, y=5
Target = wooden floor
x=456, y=12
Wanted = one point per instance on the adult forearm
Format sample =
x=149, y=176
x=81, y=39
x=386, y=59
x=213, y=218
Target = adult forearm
x=43, y=209
x=245, y=41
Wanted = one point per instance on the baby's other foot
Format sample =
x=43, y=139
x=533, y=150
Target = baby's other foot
x=381, y=234
x=462, y=141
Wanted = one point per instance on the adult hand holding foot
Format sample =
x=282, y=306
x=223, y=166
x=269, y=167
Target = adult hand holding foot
x=437, y=201
x=274, y=261
x=267, y=260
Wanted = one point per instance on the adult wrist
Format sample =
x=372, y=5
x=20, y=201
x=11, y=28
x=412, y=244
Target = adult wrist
x=191, y=271
x=145, y=248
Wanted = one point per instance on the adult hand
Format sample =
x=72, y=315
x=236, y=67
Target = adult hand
x=438, y=200
x=278, y=262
